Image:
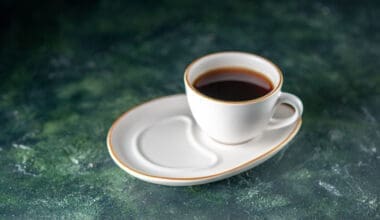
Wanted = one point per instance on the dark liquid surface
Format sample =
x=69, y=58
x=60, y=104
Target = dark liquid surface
x=233, y=84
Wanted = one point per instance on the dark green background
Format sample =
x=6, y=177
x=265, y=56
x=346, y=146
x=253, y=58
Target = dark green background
x=69, y=69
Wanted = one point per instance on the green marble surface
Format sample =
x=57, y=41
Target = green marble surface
x=69, y=69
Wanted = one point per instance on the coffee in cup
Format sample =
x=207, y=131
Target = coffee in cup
x=233, y=84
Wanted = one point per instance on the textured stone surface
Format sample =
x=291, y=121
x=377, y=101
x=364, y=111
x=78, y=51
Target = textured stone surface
x=68, y=70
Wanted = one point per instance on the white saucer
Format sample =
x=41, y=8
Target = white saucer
x=159, y=142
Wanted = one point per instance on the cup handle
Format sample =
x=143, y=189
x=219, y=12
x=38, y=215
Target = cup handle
x=297, y=105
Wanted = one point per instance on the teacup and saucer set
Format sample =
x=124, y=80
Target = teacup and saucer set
x=233, y=117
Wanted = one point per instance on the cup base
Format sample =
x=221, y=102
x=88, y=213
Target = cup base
x=235, y=143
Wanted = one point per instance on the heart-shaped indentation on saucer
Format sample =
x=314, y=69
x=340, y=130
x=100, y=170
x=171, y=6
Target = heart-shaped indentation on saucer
x=170, y=144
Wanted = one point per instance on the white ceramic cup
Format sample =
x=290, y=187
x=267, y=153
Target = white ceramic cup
x=231, y=122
